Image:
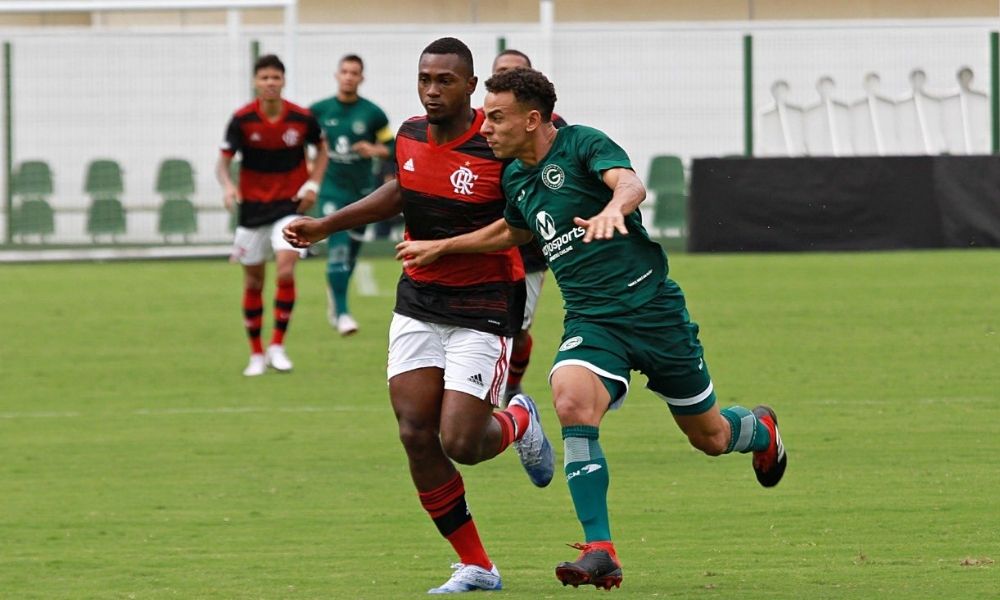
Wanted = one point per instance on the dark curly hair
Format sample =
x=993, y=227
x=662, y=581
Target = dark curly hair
x=268, y=61
x=450, y=45
x=528, y=86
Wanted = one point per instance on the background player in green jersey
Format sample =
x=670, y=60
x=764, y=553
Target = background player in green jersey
x=574, y=189
x=357, y=131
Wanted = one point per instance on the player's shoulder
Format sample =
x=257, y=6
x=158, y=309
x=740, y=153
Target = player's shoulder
x=368, y=104
x=375, y=112
x=580, y=130
x=414, y=128
x=322, y=105
x=246, y=110
x=581, y=135
x=297, y=109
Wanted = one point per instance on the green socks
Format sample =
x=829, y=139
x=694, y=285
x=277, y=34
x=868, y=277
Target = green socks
x=748, y=433
x=587, y=476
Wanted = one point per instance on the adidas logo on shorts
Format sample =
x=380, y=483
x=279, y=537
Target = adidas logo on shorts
x=476, y=379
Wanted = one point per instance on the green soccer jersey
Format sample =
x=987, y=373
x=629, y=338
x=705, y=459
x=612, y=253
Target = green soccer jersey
x=604, y=277
x=348, y=175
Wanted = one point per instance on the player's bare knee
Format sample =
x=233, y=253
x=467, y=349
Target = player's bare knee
x=575, y=410
x=463, y=449
x=415, y=439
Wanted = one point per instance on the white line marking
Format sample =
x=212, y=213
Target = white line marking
x=217, y=410
x=364, y=277
x=39, y=415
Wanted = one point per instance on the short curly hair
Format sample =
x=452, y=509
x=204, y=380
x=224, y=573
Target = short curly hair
x=450, y=45
x=528, y=86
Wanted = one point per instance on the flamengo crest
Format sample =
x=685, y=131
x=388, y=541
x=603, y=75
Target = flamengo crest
x=463, y=179
x=290, y=137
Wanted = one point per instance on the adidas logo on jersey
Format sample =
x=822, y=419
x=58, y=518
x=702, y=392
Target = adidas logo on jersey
x=408, y=165
x=476, y=379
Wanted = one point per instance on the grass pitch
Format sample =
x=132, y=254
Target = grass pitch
x=136, y=462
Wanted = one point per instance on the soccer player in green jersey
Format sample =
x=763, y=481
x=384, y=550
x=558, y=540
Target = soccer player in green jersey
x=357, y=131
x=575, y=190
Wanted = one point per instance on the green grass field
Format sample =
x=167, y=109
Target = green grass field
x=136, y=461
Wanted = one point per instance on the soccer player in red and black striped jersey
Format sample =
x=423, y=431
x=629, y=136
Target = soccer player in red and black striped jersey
x=531, y=255
x=271, y=135
x=449, y=342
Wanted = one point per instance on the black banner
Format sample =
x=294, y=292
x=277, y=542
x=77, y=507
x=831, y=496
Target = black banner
x=858, y=203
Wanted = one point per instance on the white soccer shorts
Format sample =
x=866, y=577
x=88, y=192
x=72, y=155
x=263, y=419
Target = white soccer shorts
x=474, y=362
x=533, y=283
x=254, y=245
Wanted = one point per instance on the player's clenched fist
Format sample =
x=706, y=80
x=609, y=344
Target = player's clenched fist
x=303, y=232
x=417, y=253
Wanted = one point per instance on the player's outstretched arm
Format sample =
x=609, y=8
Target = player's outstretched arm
x=384, y=202
x=498, y=235
x=628, y=195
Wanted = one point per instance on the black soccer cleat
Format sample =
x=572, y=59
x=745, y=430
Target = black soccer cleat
x=597, y=565
x=769, y=465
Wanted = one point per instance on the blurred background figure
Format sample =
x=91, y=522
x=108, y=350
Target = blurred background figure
x=358, y=132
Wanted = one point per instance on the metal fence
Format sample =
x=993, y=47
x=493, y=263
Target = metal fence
x=658, y=88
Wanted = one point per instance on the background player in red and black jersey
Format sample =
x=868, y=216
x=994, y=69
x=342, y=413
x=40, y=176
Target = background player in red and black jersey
x=271, y=135
x=449, y=341
x=531, y=256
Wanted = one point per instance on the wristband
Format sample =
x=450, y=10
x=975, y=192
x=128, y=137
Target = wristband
x=309, y=186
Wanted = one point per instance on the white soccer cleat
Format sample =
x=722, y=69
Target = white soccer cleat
x=534, y=450
x=256, y=366
x=346, y=325
x=469, y=578
x=277, y=359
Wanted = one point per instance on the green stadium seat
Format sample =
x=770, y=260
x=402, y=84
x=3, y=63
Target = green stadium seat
x=175, y=178
x=104, y=184
x=33, y=178
x=34, y=217
x=666, y=180
x=666, y=173
x=175, y=182
x=104, y=179
x=106, y=216
x=178, y=216
x=32, y=184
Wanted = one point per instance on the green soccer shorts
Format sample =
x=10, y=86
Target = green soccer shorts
x=659, y=345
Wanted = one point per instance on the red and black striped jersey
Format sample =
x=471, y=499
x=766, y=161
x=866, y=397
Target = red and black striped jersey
x=448, y=190
x=273, y=159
